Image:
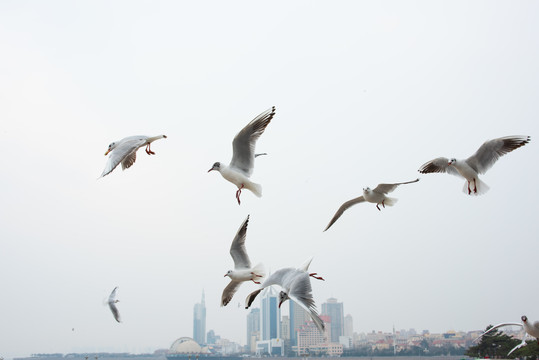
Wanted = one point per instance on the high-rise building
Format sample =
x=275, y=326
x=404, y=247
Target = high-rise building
x=285, y=327
x=253, y=327
x=334, y=310
x=298, y=317
x=271, y=314
x=199, y=322
x=348, y=325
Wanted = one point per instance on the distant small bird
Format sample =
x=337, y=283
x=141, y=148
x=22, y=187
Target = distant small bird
x=242, y=164
x=376, y=196
x=478, y=163
x=112, y=304
x=242, y=266
x=125, y=151
x=529, y=328
x=296, y=285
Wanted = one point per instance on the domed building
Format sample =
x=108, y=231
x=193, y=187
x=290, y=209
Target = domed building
x=185, y=345
x=185, y=348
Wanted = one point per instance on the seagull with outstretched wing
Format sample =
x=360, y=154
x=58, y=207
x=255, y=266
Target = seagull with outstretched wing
x=242, y=164
x=470, y=168
x=376, y=196
x=243, y=271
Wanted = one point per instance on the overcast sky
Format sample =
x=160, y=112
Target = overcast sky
x=365, y=93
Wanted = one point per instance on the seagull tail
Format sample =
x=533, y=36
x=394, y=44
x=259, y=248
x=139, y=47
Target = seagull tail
x=256, y=189
x=389, y=201
x=482, y=188
x=259, y=270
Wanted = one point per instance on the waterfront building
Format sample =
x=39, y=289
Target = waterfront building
x=348, y=325
x=298, y=317
x=334, y=310
x=270, y=314
x=199, y=322
x=253, y=328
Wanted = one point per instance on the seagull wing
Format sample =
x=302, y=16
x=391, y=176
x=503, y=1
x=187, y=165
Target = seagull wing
x=243, y=146
x=492, y=150
x=112, y=305
x=238, y=250
x=301, y=293
x=229, y=292
x=438, y=165
x=123, y=150
x=129, y=160
x=387, y=188
x=343, y=208
x=115, y=311
x=497, y=326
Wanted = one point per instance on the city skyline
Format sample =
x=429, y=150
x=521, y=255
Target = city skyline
x=364, y=92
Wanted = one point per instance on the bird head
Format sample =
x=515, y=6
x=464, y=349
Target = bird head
x=228, y=273
x=112, y=145
x=367, y=190
x=282, y=298
x=453, y=161
x=524, y=318
x=216, y=166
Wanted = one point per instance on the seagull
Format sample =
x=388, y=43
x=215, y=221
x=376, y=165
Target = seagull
x=376, y=196
x=112, y=304
x=296, y=285
x=242, y=164
x=478, y=163
x=125, y=151
x=530, y=329
x=242, y=266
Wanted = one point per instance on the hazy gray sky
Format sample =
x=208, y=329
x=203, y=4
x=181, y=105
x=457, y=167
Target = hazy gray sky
x=366, y=92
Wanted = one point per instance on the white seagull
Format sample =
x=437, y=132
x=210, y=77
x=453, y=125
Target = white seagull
x=243, y=158
x=112, y=304
x=125, y=151
x=478, y=163
x=242, y=266
x=529, y=328
x=296, y=285
x=376, y=196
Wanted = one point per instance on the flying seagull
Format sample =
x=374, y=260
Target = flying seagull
x=296, y=285
x=112, y=304
x=242, y=266
x=530, y=329
x=243, y=158
x=125, y=151
x=478, y=163
x=376, y=196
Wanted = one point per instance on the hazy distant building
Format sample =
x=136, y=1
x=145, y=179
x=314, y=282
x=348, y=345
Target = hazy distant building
x=199, y=322
x=211, y=338
x=298, y=317
x=312, y=341
x=334, y=310
x=285, y=327
x=348, y=325
x=271, y=314
x=253, y=328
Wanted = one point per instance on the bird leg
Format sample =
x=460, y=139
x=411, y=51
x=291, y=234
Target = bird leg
x=378, y=207
x=316, y=277
x=148, y=150
x=256, y=274
x=474, y=186
x=469, y=191
x=238, y=193
x=384, y=205
x=256, y=282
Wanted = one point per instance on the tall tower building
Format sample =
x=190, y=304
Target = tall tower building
x=271, y=314
x=199, y=322
x=334, y=310
x=348, y=325
x=298, y=317
x=253, y=327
